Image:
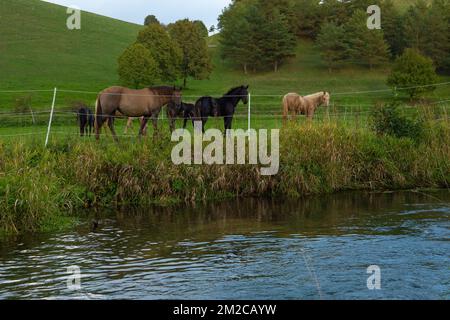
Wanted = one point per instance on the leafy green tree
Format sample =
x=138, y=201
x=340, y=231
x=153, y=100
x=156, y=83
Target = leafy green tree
x=392, y=25
x=201, y=28
x=151, y=19
x=331, y=43
x=278, y=43
x=309, y=16
x=365, y=46
x=415, y=25
x=137, y=68
x=256, y=34
x=196, y=61
x=427, y=29
x=163, y=50
x=236, y=38
x=411, y=70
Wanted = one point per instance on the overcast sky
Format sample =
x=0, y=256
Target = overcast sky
x=165, y=10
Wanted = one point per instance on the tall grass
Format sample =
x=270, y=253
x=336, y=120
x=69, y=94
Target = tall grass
x=41, y=188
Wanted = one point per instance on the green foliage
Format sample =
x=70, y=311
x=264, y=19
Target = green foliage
x=331, y=43
x=163, y=49
x=191, y=41
x=386, y=119
x=150, y=19
x=137, y=68
x=412, y=69
x=365, y=46
x=426, y=29
x=392, y=25
x=40, y=188
x=257, y=34
x=203, y=30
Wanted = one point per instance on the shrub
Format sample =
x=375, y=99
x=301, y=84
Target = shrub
x=412, y=70
x=386, y=119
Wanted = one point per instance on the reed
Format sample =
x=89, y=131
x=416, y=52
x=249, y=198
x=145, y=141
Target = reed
x=43, y=189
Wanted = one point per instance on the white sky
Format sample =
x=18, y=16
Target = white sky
x=166, y=11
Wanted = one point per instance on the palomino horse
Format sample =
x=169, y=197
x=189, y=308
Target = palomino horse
x=222, y=107
x=131, y=103
x=307, y=105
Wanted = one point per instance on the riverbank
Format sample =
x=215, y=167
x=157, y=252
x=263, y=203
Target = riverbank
x=41, y=189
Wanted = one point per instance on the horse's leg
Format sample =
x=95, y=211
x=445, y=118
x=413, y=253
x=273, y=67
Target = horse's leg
x=111, y=127
x=144, y=122
x=155, y=123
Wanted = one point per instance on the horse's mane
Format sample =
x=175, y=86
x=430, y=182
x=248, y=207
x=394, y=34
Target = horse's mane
x=315, y=95
x=232, y=91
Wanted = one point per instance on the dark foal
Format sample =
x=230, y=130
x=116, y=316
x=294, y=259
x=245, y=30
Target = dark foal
x=184, y=111
x=221, y=107
x=86, y=121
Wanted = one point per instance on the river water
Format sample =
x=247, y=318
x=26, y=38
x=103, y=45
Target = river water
x=311, y=248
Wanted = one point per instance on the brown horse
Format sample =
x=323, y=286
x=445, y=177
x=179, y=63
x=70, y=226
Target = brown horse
x=307, y=105
x=145, y=103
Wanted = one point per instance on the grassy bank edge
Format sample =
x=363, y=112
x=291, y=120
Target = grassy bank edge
x=43, y=189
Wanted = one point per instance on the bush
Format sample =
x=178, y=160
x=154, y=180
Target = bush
x=411, y=70
x=386, y=119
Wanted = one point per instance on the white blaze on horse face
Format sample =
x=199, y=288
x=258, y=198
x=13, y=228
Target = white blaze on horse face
x=182, y=152
x=74, y=20
x=274, y=159
x=374, y=21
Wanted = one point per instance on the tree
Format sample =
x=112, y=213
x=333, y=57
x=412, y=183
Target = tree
x=331, y=43
x=196, y=61
x=365, y=46
x=237, y=41
x=256, y=34
x=151, y=19
x=201, y=28
x=163, y=50
x=412, y=69
x=427, y=30
x=278, y=42
x=392, y=25
x=137, y=68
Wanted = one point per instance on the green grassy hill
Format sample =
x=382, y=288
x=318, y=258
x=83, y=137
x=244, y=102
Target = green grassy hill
x=37, y=51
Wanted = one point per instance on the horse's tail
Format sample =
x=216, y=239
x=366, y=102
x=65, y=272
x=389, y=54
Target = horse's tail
x=98, y=117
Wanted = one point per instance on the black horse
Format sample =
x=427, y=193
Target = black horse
x=221, y=107
x=184, y=110
x=86, y=121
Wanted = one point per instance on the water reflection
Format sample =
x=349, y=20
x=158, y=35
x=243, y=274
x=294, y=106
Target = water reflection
x=316, y=247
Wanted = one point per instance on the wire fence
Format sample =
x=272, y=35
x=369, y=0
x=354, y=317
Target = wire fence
x=263, y=111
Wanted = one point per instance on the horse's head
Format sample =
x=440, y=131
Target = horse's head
x=176, y=96
x=325, y=99
x=243, y=93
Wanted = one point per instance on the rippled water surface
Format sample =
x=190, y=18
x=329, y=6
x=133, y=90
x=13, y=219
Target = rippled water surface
x=313, y=248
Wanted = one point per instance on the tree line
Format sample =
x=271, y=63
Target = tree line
x=258, y=34
x=166, y=53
